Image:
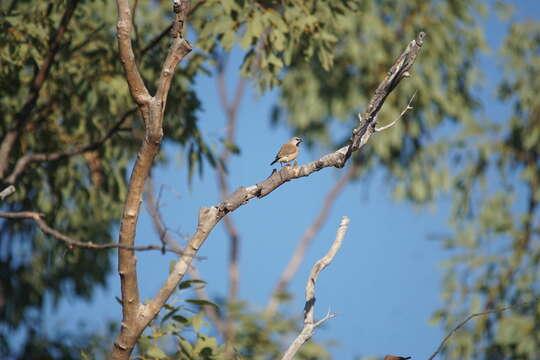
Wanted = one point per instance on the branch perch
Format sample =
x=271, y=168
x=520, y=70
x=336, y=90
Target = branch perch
x=309, y=323
x=137, y=316
x=210, y=216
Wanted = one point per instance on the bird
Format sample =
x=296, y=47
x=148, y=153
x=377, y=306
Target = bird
x=288, y=151
x=392, y=357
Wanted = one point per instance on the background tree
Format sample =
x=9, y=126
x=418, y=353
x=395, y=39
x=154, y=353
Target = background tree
x=61, y=80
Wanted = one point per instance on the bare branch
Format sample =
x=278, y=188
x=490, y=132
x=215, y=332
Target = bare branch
x=210, y=216
x=407, y=108
x=28, y=159
x=70, y=242
x=303, y=244
x=7, y=192
x=398, y=71
x=21, y=118
x=309, y=323
x=471, y=316
x=137, y=316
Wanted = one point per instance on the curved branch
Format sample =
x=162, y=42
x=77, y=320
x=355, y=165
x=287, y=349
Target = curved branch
x=309, y=322
x=471, y=316
x=210, y=216
x=72, y=243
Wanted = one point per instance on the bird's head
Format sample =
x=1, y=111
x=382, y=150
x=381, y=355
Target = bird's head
x=296, y=140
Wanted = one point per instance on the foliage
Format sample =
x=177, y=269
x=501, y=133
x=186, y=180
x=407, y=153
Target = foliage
x=326, y=58
x=182, y=332
x=495, y=216
x=84, y=96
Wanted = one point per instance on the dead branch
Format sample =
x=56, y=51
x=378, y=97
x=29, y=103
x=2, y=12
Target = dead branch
x=72, y=243
x=309, y=323
x=21, y=118
x=310, y=233
x=398, y=72
x=471, y=316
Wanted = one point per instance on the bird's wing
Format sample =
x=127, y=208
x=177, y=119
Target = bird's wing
x=286, y=149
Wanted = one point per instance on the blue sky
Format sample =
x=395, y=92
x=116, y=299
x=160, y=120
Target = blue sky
x=385, y=282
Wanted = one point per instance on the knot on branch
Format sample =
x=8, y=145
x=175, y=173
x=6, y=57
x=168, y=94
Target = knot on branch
x=258, y=190
x=420, y=38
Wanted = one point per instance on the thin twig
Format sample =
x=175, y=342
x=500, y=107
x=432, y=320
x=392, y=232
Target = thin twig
x=471, y=316
x=166, y=31
x=407, y=108
x=72, y=243
x=310, y=233
x=309, y=323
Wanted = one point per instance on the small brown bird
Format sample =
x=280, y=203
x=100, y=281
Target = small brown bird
x=392, y=357
x=289, y=151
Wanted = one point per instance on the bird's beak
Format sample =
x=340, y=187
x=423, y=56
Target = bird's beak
x=300, y=140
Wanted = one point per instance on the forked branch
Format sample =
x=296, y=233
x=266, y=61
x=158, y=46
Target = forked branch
x=135, y=315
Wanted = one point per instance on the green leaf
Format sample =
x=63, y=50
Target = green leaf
x=202, y=303
x=189, y=283
x=155, y=352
